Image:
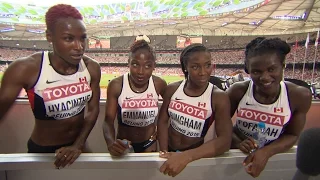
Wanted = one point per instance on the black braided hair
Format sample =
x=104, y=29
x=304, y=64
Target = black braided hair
x=262, y=45
x=141, y=44
x=184, y=56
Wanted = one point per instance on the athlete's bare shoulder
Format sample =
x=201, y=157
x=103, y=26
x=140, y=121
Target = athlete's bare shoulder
x=172, y=87
x=118, y=81
x=33, y=60
x=92, y=65
x=237, y=90
x=240, y=86
x=26, y=69
x=298, y=95
x=158, y=80
x=88, y=60
x=115, y=85
x=160, y=84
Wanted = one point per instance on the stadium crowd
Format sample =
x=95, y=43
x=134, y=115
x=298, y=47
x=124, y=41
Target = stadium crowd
x=219, y=57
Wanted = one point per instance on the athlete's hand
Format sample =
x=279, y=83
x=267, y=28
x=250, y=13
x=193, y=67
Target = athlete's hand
x=118, y=147
x=176, y=162
x=256, y=162
x=248, y=145
x=66, y=156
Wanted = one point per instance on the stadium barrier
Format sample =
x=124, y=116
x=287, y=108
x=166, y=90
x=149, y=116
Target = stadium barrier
x=17, y=126
x=98, y=166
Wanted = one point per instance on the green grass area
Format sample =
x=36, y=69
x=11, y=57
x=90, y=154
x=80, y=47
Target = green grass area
x=106, y=77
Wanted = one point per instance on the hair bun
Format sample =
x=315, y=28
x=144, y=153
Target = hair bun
x=142, y=37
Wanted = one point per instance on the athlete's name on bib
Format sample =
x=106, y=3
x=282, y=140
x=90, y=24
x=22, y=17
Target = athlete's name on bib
x=247, y=128
x=188, y=109
x=67, y=105
x=186, y=122
x=139, y=114
x=259, y=116
x=140, y=103
x=189, y=129
x=59, y=92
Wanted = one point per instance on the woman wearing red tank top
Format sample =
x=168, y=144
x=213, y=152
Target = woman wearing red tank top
x=265, y=62
x=66, y=137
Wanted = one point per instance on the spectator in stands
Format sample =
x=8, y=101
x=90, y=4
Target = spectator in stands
x=191, y=106
x=60, y=85
x=133, y=98
x=187, y=42
x=281, y=105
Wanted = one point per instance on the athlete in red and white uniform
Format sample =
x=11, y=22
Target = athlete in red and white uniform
x=275, y=115
x=133, y=99
x=281, y=105
x=60, y=84
x=55, y=96
x=191, y=106
x=191, y=115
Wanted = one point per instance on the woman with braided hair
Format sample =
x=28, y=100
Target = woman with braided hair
x=281, y=105
x=190, y=107
x=60, y=85
x=133, y=99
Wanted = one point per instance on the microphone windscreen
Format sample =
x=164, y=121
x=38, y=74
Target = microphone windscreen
x=308, y=156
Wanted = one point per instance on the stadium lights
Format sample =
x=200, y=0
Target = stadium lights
x=140, y=25
x=36, y=31
x=254, y=23
x=288, y=17
x=7, y=29
x=7, y=15
x=111, y=26
x=168, y=23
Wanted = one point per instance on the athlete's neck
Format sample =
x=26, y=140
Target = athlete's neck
x=137, y=87
x=61, y=65
x=266, y=98
x=194, y=89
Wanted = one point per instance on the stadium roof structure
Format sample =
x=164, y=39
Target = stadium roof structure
x=25, y=21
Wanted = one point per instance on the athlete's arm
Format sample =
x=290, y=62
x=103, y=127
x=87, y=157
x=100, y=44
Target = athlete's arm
x=20, y=74
x=164, y=117
x=160, y=85
x=223, y=128
x=178, y=161
x=115, y=146
x=92, y=106
x=235, y=93
x=300, y=99
x=113, y=91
